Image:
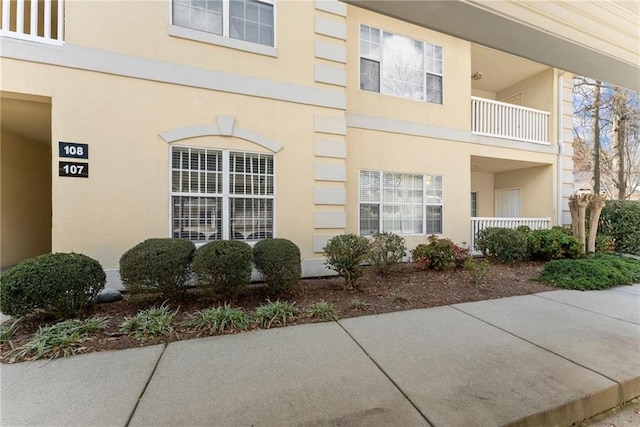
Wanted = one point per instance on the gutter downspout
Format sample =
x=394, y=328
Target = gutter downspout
x=560, y=162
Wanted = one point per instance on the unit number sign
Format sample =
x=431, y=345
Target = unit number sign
x=74, y=150
x=74, y=169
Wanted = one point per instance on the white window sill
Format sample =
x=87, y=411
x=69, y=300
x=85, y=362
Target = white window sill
x=201, y=36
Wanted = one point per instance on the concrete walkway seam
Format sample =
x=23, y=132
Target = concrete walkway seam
x=385, y=374
x=620, y=392
x=584, y=309
x=144, y=389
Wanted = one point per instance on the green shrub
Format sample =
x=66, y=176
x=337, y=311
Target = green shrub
x=279, y=262
x=545, y=245
x=345, y=254
x=599, y=272
x=60, y=284
x=503, y=244
x=387, y=249
x=620, y=219
x=605, y=244
x=224, y=265
x=439, y=254
x=477, y=270
x=157, y=265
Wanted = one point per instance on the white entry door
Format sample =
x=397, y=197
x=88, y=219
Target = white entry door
x=508, y=203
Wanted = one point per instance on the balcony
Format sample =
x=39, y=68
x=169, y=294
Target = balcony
x=504, y=120
x=39, y=21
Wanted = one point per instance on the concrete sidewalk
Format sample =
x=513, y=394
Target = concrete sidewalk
x=548, y=359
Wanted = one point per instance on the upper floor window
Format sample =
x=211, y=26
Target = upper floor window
x=400, y=203
x=247, y=20
x=401, y=66
x=221, y=194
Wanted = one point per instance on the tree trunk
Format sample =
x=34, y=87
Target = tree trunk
x=578, y=207
x=596, y=203
x=597, y=104
x=620, y=117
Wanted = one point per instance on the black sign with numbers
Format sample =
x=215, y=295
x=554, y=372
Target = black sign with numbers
x=73, y=169
x=74, y=150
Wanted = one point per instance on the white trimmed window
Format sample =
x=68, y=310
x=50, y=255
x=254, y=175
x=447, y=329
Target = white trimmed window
x=221, y=194
x=400, y=66
x=247, y=20
x=400, y=203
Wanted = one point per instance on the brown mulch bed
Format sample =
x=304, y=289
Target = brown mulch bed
x=407, y=287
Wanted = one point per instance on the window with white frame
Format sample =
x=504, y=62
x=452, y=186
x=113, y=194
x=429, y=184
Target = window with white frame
x=221, y=194
x=247, y=20
x=400, y=203
x=401, y=66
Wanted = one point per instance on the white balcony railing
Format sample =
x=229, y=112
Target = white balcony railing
x=503, y=120
x=34, y=20
x=480, y=223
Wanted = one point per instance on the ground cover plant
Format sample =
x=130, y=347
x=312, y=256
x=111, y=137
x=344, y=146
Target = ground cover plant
x=595, y=272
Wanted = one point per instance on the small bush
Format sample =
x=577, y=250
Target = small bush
x=599, y=272
x=150, y=323
x=605, y=244
x=277, y=313
x=357, y=304
x=157, y=265
x=219, y=319
x=477, y=270
x=439, y=254
x=345, y=254
x=387, y=249
x=620, y=219
x=546, y=245
x=224, y=265
x=60, y=340
x=503, y=244
x=323, y=310
x=279, y=262
x=399, y=297
x=60, y=284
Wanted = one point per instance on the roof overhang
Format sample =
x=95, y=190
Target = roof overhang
x=488, y=24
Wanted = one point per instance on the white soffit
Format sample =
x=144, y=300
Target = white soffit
x=598, y=39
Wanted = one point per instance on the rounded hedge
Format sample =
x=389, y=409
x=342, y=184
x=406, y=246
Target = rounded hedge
x=549, y=244
x=279, y=262
x=344, y=254
x=503, y=244
x=225, y=265
x=60, y=284
x=620, y=221
x=157, y=265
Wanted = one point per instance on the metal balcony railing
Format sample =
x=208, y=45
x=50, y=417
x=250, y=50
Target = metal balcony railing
x=33, y=20
x=503, y=120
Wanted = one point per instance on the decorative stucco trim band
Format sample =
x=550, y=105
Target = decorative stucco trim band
x=225, y=127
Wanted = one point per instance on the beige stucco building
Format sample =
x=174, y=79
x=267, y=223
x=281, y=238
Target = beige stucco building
x=253, y=119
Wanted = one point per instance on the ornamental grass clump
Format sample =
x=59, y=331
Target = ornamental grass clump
x=150, y=323
x=57, y=284
x=345, y=253
x=160, y=265
x=60, y=340
x=322, y=310
x=217, y=320
x=277, y=313
x=279, y=262
x=224, y=266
